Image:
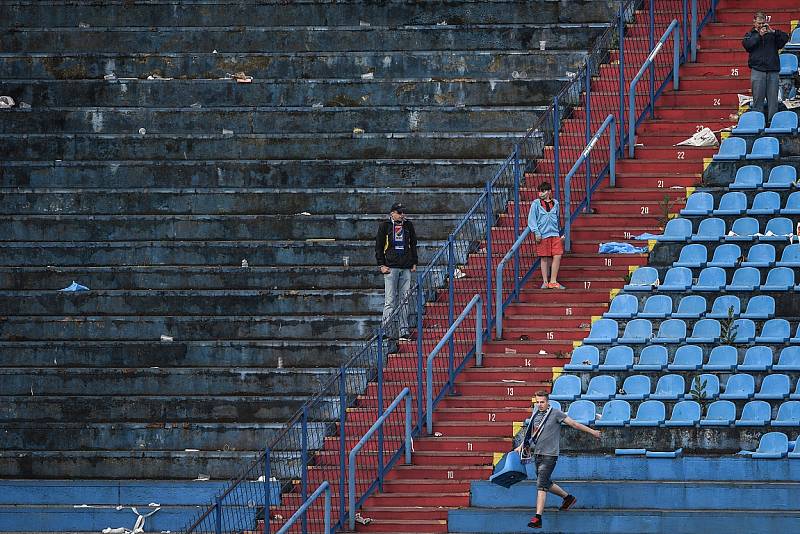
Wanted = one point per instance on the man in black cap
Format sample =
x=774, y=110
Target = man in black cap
x=396, y=254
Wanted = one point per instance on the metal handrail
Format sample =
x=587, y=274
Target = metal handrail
x=324, y=487
x=498, y=318
x=476, y=302
x=674, y=27
x=351, y=483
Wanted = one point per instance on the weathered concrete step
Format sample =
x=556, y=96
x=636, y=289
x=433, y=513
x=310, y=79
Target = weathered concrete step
x=194, y=277
x=117, y=353
x=379, y=173
x=243, y=120
x=293, y=202
x=178, y=382
x=218, y=253
x=452, y=91
x=153, y=408
x=236, y=13
x=195, y=328
x=480, y=64
x=301, y=39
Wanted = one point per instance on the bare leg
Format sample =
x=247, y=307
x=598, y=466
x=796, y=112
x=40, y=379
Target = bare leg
x=541, y=495
x=556, y=489
x=546, y=261
x=554, y=269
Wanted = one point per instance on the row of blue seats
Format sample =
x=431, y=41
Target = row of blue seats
x=686, y=358
x=685, y=413
x=729, y=255
x=735, y=203
x=626, y=306
x=754, y=123
x=735, y=149
x=775, y=445
x=740, y=386
x=794, y=42
x=713, y=229
x=712, y=279
x=752, y=177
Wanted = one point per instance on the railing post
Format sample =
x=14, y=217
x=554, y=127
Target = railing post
x=713, y=10
x=327, y=518
x=685, y=34
x=612, y=159
x=631, y=120
x=342, y=438
x=588, y=136
x=567, y=213
x=651, y=105
x=479, y=334
x=408, y=429
x=676, y=58
x=451, y=287
x=267, y=491
x=218, y=516
x=517, y=180
x=489, y=220
x=420, y=347
x=380, y=405
x=556, y=153
x=304, y=463
x=694, y=31
x=622, y=80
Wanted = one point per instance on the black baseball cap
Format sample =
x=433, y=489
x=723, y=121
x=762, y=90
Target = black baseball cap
x=398, y=207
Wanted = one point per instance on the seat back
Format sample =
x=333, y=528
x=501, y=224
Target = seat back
x=740, y=383
x=762, y=252
x=777, y=385
x=783, y=174
x=637, y=385
x=756, y=410
x=707, y=328
x=776, y=328
x=619, y=356
x=672, y=328
x=721, y=410
x=686, y=410
x=671, y=385
x=727, y=253
x=585, y=353
x=651, y=410
x=732, y=147
x=582, y=410
x=700, y=202
x=692, y=304
x=746, y=277
x=780, y=226
x=763, y=305
x=604, y=328
x=712, y=227
x=653, y=355
x=602, y=385
x=644, y=276
x=688, y=355
x=693, y=254
x=767, y=147
x=767, y=201
x=639, y=328
x=792, y=252
x=745, y=330
x=624, y=304
x=749, y=175
x=789, y=411
x=566, y=385
x=745, y=226
x=709, y=384
x=723, y=304
x=678, y=276
x=660, y=304
x=723, y=355
x=790, y=356
x=788, y=64
x=759, y=356
x=773, y=442
x=678, y=227
x=733, y=201
x=616, y=410
x=750, y=122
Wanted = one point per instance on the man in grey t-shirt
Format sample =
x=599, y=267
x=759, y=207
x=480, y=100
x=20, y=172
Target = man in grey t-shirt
x=543, y=436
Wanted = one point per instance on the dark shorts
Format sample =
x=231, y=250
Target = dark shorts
x=544, y=468
x=550, y=246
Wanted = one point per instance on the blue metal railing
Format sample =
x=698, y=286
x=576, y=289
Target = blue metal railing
x=301, y=512
x=512, y=252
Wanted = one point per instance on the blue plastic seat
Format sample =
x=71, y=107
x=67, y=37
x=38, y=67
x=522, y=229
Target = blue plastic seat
x=782, y=176
x=619, y=358
x=721, y=308
x=710, y=279
x=792, y=206
x=732, y=203
x=788, y=64
x=748, y=177
x=722, y=358
x=655, y=307
x=790, y=256
x=751, y=122
x=601, y=387
x=566, y=388
x=765, y=203
x=709, y=231
x=755, y=413
x=676, y=230
x=691, y=307
x=580, y=356
x=652, y=358
x=783, y=122
x=731, y=149
x=615, y=413
x=725, y=256
x=744, y=279
x=687, y=358
x=739, y=387
x=677, y=279
x=788, y=415
x=669, y=387
x=760, y=255
x=775, y=331
x=622, y=307
x=794, y=41
x=705, y=331
x=694, y=255
x=719, y=413
x=781, y=227
x=743, y=229
x=772, y=445
x=707, y=384
x=774, y=387
x=745, y=331
x=684, y=413
x=637, y=331
x=603, y=331
x=642, y=279
x=582, y=411
x=758, y=358
x=779, y=279
x=760, y=307
x=671, y=331
x=789, y=359
x=553, y=403
x=796, y=394
x=698, y=203
x=650, y=413
x=635, y=387
x=764, y=148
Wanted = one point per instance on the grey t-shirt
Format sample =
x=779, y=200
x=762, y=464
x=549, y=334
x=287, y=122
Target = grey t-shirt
x=548, y=442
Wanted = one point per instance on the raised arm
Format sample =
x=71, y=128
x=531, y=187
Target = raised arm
x=583, y=428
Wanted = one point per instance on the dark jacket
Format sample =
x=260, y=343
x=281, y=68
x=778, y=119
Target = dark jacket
x=385, y=253
x=763, y=49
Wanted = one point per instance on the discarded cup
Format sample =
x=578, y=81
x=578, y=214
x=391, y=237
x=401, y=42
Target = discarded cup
x=167, y=339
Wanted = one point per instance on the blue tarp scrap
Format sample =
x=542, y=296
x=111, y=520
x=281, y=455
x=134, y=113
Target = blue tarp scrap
x=74, y=287
x=620, y=248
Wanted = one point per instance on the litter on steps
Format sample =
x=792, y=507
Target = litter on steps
x=6, y=102
x=704, y=137
x=74, y=287
x=138, y=527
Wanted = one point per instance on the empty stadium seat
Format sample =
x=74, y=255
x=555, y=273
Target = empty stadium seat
x=711, y=279
x=788, y=360
x=745, y=331
x=796, y=394
x=764, y=148
x=731, y=149
x=655, y=307
x=650, y=413
x=758, y=358
x=780, y=226
x=694, y=255
x=635, y=387
x=750, y=122
x=792, y=206
x=790, y=256
x=687, y=358
x=652, y=358
x=719, y=413
x=582, y=411
x=676, y=230
x=705, y=331
x=690, y=307
x=794, y=41
x=772, y=445
x=788, y=64
x=739, y=387
x=566, y=388
x=779, y=279
x=755, y=413
x=707, y=384
x=760, y=255
x=581, y=355
x=676, y=279
x=744, y=279
x=619, y=358
x=748, y=177
x=622, y=307
x=731, y=203
x=783, y=122
x=698, y=203
x=782, y=176
x=774, y=386
x=725, y=255
x=669, y=387
x=671, y=331
x=743, y=229
x=722, y=358
x=615, y=413
x=601, y=387
x=760, y=307
x=603, y=331
x=775, y=331
x=709, y=231
x=642, y=279
x=684, y=413
x=724, y=306
x=788, y=415
x=637, y=331
x=765, y=203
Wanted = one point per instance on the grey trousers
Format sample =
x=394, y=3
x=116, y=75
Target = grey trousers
x=396, y=284
x=765, y=87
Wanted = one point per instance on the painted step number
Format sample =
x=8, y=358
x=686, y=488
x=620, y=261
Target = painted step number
x=510, y=392
x=681, y=155
x=492, y=417
x=735, y=71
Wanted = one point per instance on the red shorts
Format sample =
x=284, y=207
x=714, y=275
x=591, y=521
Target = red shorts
x=550, y=246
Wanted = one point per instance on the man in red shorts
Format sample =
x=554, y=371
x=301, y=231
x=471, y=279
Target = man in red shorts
x=543, y=222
